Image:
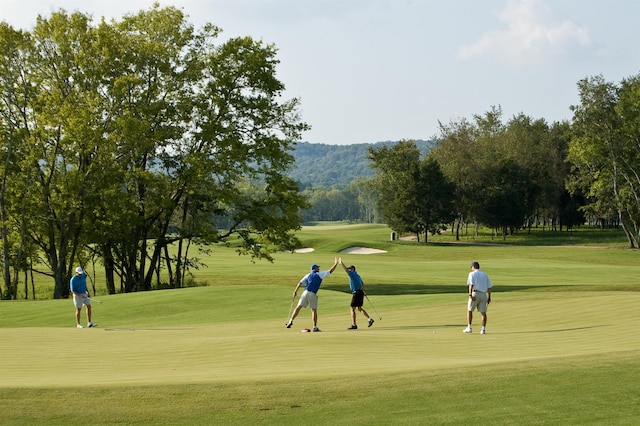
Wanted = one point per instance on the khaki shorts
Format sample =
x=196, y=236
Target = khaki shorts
x=479, y=303
x=309, y=299
x=78, y=301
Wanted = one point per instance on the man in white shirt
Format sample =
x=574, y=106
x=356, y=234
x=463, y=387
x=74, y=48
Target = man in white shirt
x=479, y=296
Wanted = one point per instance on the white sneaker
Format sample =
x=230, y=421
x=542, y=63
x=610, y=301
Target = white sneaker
x=467, y=330
x=483, y=331
x=79, y=326
x=92, y=324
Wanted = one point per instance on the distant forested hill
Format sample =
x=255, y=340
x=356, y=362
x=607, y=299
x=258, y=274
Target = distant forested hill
x=335, y=165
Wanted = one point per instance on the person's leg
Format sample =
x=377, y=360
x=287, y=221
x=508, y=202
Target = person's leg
x=353, y=315
x=469, y=317
x=363, y=312
x=88, y=314
x=296, y=311
x=484, y=318
x=314, y=317
x=78, y=316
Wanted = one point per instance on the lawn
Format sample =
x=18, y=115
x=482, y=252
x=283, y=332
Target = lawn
x=561, y=344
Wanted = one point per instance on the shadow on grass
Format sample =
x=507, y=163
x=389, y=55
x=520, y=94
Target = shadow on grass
x=558, y=330
x=405, y=289
x=420, y=327
x=461, y=325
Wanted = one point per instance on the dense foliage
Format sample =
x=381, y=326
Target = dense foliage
x=414, y=195
x=605, y=151
x=121, y=138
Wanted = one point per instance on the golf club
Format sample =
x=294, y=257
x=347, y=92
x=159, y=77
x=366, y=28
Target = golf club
x=374, y=308
x=293, y=298
x=94, y=300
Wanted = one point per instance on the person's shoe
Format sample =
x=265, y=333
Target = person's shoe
x=370, y=322
x=316, y=329
x=289, y=324
x=353, y=327
x=467, y=330
x=79, y=326
x=92, y=324
x=483, y=331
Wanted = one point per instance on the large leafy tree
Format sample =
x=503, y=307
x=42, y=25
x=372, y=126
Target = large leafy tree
x=60, y=138
x=434, y=198
x=143, y=133
x=15, y=95
x=455, y=150
x=502, y=202
x=605, y=152
x=395, y=170
x=414, y=194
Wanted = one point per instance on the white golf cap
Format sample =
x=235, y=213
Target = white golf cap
x=79, y=270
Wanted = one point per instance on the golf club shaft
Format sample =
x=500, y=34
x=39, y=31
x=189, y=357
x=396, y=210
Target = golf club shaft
x=293, y=298
x=374, y=308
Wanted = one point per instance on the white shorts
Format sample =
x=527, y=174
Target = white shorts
x=78, y=301
x=309, y=299
x=480, y=302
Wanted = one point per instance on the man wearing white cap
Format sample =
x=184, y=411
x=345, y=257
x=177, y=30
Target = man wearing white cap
x=78, y=285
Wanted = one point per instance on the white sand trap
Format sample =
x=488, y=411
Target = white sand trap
x=362, y=250
x=302, y=250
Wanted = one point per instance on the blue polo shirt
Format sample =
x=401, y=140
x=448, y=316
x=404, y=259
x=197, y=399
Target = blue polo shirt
x=313, y=280
x=355, y=281
x=78, y=284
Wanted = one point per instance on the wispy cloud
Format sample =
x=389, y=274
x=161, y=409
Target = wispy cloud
x=531, y=34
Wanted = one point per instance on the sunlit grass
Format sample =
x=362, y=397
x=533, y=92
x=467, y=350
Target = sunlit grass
x=560, y=348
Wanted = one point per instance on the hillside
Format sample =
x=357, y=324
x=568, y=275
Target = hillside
x=335, y=165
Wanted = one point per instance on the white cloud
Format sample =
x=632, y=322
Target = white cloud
x=530, y=35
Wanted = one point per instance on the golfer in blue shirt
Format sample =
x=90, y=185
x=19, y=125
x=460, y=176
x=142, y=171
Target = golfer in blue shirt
x=78, y=285
x=309, y=297
x=357, y=295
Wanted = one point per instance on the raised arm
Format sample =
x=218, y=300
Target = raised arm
x=343, y=266
x=335, y=263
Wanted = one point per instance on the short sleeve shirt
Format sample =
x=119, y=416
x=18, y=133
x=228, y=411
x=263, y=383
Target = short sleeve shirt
x=479, y=280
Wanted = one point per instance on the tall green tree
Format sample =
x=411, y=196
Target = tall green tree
x=455, y=149
x=415, y=196
x=604, y=151
x=61, y=127
x=15, y=96
x=502, y=202
x=142, y=133
x=395, y=170
x=434, y=198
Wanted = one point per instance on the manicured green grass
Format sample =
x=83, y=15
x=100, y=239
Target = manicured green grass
x=561, y=347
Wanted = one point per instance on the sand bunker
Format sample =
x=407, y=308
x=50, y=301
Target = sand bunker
x=361, y=250
x=301, y=250
x=350, y=250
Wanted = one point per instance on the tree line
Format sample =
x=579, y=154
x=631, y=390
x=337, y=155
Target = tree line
x=508, y=176
x=120, y=140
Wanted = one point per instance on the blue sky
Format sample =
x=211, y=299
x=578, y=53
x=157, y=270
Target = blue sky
x=376, y=70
